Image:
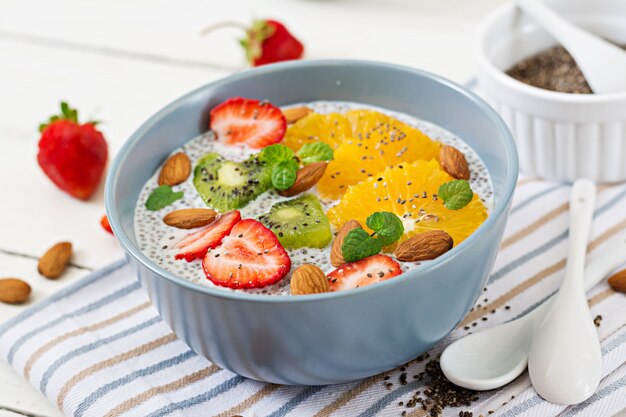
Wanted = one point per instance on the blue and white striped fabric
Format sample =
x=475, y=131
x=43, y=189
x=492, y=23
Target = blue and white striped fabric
x=99, y=348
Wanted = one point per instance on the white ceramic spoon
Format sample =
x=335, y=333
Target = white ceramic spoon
x=493, y=357
x=565, y=361
x=602, y=63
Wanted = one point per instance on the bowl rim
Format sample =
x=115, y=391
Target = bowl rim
x=486, y=26
x=500, y=208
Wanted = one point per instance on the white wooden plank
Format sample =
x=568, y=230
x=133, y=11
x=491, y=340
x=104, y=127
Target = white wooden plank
x=432, y=34
x=120, y=92
x=18, y=395
x=26, y=269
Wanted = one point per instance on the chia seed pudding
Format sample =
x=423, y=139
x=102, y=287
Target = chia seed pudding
x=156, y=239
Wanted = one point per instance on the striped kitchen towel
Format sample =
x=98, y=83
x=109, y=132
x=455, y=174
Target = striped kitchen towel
x=99, y=348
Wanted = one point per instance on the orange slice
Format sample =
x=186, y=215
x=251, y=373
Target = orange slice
x=380, y=142
x=330, y=128
x=409, y=190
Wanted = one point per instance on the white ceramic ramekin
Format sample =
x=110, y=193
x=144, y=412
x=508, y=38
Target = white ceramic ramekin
x=559, y=136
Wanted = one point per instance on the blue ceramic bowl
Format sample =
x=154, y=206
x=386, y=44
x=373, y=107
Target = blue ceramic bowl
x=332, y=337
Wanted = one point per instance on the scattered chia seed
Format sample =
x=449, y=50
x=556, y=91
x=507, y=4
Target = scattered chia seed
x=597, y=320
x=440, y=393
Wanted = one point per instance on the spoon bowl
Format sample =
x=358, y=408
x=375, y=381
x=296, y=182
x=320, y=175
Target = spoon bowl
x=493, y=357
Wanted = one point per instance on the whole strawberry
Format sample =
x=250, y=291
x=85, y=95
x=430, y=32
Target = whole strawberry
x=266, y=41
x=71, y=154
x=269, y=41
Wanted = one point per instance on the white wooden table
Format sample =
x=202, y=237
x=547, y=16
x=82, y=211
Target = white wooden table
x=121, y=60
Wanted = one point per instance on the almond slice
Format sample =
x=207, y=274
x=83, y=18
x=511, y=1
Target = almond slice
x=336, y=255
x=55, y=260
x=293, y=114
x=308, y=279
x=424, y=246
x=190, y=218
x=175, y=170
x=453, y=162
x=14, y=291
x=617, y=281
x=306, y=178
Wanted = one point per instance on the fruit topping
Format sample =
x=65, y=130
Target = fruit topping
x=380, y=142
x=293, y=114
x=306, y=178
x=71, y=154
x=336, y=255
x=243, y=121
x=190, y=218
x=358, y=244
x=250, y=257
x=308, y=279
x=299, y=223
x=226, y=185
x=455, y=194
x=410, y=191
x=424, y=246
x=175, y=170
x=453, y=162
x=332, y=129
x=104, y=222
x=367, y=271
x=284, y=166
x=195, y=245
x=162, y=197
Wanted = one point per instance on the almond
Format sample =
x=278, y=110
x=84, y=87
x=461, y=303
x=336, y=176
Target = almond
x=306, y=178
x=336, y=255
x=453, y=162
x=190, y=218
x=308, y=279
x=424, y=246
x=175, y=170
x=617, y=281
x=13, y=290
x=55, y=260
x=293, y=114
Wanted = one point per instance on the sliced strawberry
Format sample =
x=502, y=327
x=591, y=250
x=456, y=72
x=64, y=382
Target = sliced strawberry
x=367, y=271
x=250, y=257
x=104, y=222
x=195, y=245
x=245, y=121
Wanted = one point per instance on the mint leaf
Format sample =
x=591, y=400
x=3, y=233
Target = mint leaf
x=387, y=227
x=455, y=194
x=284, y=174
x=315, y=152
x=358, y=244
x=275, y=154
x=162, y=197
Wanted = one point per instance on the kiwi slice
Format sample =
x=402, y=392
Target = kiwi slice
x=226, y=185
x=299, y=223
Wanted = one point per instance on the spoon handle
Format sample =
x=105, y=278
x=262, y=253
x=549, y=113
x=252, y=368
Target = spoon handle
x=582, y=202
